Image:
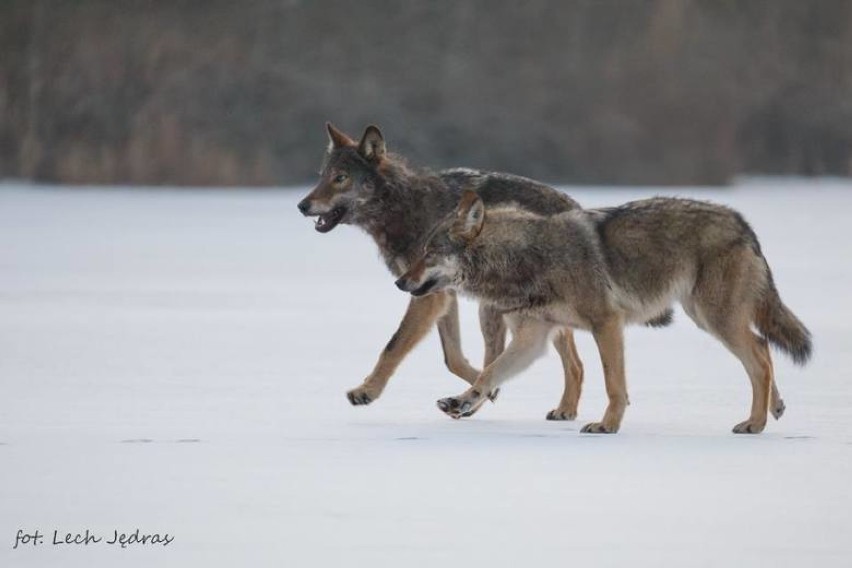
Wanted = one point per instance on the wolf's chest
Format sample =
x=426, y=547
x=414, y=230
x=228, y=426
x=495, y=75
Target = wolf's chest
x=397, y=252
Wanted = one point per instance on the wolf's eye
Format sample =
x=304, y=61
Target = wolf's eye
x=340, y=178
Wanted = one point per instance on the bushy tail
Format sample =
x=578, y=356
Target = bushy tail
x=781, y=327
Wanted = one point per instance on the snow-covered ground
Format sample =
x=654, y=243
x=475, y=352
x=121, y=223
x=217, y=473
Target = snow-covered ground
x=176, y=361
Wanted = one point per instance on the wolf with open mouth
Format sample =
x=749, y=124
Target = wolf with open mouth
x=362, y=184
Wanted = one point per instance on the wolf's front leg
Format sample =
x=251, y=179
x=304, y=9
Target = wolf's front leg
x=610, y=339
x=529, y=338
x=573, y=370
x=494, y=334
x=422, y=313
x=448, y=331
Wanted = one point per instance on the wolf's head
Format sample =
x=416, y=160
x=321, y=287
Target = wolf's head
x=440, y=264
x=347, y=177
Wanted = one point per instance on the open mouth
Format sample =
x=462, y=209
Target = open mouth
x=425, y=287
x=328, y=221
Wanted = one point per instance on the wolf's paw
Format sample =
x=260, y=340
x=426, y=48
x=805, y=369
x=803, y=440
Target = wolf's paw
x=559, y=414
x=361, y=396
x=460, y=406
x=599, y=428
x=778, y=410
x=749, y=427
x=492, y=396
x=455, y=407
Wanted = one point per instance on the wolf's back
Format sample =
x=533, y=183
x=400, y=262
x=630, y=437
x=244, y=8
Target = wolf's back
x=497, y=189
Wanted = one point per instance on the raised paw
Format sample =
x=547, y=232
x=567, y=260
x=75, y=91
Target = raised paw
x=469, y=412
x=778, y=409
x=557, y=414
x=598, y=428
x=749, y=427
x=460, y=406
x=455, y=407
x=361, y=396
x=492, y=396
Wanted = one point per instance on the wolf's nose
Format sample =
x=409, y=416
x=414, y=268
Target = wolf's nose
x=304, y=206
x=401, y=284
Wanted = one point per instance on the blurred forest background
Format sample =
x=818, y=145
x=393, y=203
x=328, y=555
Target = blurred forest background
x=214, y=92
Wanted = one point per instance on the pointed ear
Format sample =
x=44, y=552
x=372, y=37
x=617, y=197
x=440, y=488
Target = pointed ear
x=470, y=215
x=336, y=138
x=372, y=146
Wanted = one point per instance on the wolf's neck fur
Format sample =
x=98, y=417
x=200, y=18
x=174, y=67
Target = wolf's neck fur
x=522, y=261
x=404, y=208
x=507, y=276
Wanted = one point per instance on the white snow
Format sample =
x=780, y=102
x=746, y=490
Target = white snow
x=176, y=361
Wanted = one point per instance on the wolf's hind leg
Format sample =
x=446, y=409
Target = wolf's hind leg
x=722, y=302
x=422, y=312
x=753, y=352
x=776, y=403
x=529, y=339
x=573, y=369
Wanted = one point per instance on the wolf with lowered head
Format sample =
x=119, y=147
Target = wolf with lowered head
x=599, y=270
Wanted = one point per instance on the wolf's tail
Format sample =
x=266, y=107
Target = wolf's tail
x=781, y=327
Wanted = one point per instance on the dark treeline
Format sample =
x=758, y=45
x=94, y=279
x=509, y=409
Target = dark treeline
x=591, y=91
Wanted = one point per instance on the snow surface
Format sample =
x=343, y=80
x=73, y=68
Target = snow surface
x=176, y=361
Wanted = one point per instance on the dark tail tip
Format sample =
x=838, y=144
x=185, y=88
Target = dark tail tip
x=783, y=329
x=802, y=351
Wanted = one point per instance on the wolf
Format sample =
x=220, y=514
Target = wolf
x=362, y=184
x=601, y=269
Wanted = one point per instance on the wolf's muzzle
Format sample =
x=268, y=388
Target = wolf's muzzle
x=403, y=284
x=408, y=286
